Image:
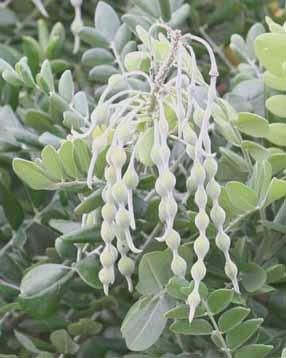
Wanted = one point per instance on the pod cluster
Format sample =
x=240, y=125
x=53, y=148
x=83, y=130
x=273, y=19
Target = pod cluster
x=164, y=186
x=117, y=212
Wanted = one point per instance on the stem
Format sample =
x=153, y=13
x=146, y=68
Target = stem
x=217, y=49
x=225, y=348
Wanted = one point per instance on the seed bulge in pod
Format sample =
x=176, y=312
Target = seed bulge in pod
x=191, y=150
x=107, y=194
x=210, y=165
x=108, y=212
x=218, y=215
x=191, y=185
x=106, y=276
x=116, y=156
x=100, y=114
x=198, y=173
x=202, y=220
x=179, y=266
x=120, y=193
x=231, y=270
x=126, y=266
x=110, y=174
x=201, y=246
x=160, y=154
x=106, y=231
x=213, y=189
x=173, y=239
x=163, y=215
x=123, y=132
x=165, y=183
x=223, y=241
x=198, y=270
x=190, y=135
x=194, y=299
x=130, y=178
x=201, y=197
x=107, y=258
x=122, y=218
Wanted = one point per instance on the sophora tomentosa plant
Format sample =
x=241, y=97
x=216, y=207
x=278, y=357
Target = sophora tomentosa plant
x=118, y=125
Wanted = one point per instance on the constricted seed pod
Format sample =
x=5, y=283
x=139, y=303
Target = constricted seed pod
x=210, y=166
x=202, y=221
x=122, y=218
x=191, y=150
x=165, y=183
x=116, y=156
x=213, y=189
x=100, y=114
x=231, y=271
x=217, y=215
x=190, y=135
x=198, y=173
x=108, y=256
x=167, y=208
x=131, y=178
x=107, y=195
x=198, y=270
x=107, y=232
x=173, y=239
x=223, y=241
x=108, y=211
x=123, y=133
x=160, y=154
x=179, y=266
x=191, y=185
x=110, y=174
x=201, y=198
x=201, y=246
x=126, y=266
x=119, y=192
x=106, y=277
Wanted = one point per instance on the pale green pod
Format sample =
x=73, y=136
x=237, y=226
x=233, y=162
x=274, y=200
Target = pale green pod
x=198, y=270
x=106, y=277
x=191, y=185
x=160, y=154
x=179, y=266
x=201, y=246
x=116, y=156
x=107, y=195
x=131, y=178
x=201, y=198
x=193, y=301
x=217, y=215
x=213, y=189
x=108, y=211
x=202, y=221
x=126, y=266
x=198, y=173
x=120, y=193
x=165, y=183
x=210, y=165
x=191, y=150
x=231, y=271
x=173, y=239
x=190, y=135
x=100, y=114
x=223, y=241
x=108, y=256
x=123, y=132
x=167, y=208
x=122, y=218
x=110, y=174
x=107, y=232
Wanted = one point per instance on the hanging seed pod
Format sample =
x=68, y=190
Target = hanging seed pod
x=218, y=218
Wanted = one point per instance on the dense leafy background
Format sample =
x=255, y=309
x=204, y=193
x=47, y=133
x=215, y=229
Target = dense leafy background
x=56, y=312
